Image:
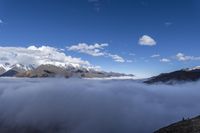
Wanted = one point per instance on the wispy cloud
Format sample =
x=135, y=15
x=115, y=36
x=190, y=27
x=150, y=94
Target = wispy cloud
x=96, y=4
x=95, y=50
x=183, y=57
x=131, y=54
x=167, y=24
x=115, y=57
x=165, y=60
x=1, y=21
x=147, y=41
x=155, y=56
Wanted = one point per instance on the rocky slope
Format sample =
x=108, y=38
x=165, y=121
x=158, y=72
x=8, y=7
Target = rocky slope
x=19, y=70
x=184, y=126
x=44, y=71
x=183, y=75
x=2, y=70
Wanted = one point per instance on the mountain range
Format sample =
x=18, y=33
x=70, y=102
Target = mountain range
x=49, y=70
x=67, y=71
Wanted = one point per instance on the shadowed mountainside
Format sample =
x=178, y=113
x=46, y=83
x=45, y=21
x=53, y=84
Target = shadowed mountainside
x=176, y=76
x=2, y=70
x=184, y=126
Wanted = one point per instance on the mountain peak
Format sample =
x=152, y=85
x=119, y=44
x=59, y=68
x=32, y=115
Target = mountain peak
x=189, y=74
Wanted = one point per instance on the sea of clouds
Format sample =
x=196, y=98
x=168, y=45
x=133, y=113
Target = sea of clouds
x=93, y=106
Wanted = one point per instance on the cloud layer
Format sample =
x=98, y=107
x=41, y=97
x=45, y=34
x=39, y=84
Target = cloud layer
x=38, y=55
x=94, y=106
x=147, y=41
x=95, y=50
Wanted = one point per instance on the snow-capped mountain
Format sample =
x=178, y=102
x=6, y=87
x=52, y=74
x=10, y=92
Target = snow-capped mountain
x=45, y=61
x=39, y=56
x=5, y=66
x=194, y=68
x=8, y=66
x=183, y=75
x=49, y=70
x=22, y=67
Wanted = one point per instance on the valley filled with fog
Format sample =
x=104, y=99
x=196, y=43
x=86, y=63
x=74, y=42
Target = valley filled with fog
x=93, y=106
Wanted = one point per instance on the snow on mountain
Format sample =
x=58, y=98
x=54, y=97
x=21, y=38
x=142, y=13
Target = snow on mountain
x=195, y=68
x=36, y=56
x=18, y=61
x=183, y=75
x=8, y=66
x=22, y=67
x=5, y=66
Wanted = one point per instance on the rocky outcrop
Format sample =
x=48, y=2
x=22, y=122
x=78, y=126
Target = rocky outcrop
x=44, y=71
x=184, y=126
x=2, y=70
x=14, y=70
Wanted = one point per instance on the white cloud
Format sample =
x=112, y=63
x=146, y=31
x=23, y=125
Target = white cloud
x=147, y=41
x=183, y=57
x=1, y=21
x=155, y=56
x=95, y=50
x=39, y=55
x=165, y=60
x=115, y=57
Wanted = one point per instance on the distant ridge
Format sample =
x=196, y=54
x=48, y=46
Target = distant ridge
x=184, y=75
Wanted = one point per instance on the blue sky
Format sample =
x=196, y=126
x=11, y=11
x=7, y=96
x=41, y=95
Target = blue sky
x=168, y=28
